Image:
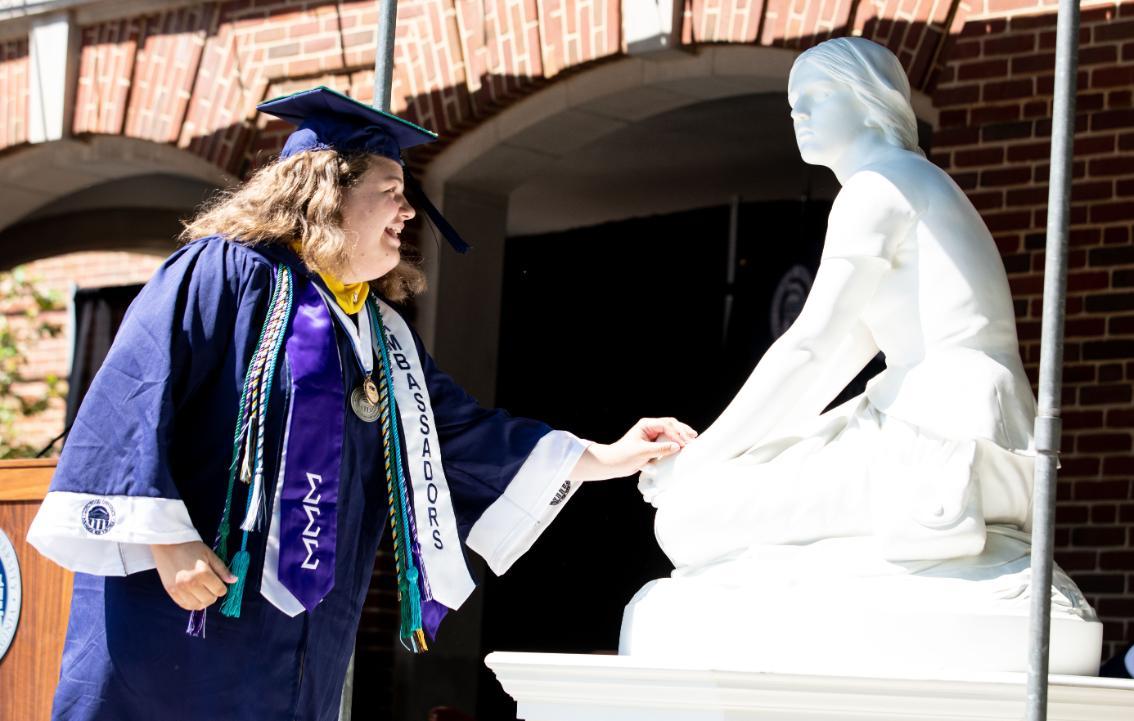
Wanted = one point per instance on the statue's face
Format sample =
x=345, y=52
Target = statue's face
x=827, y=116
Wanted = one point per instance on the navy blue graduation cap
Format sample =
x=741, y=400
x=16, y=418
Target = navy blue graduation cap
x=328, y=119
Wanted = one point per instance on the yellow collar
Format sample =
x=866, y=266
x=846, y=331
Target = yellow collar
x=350, y=297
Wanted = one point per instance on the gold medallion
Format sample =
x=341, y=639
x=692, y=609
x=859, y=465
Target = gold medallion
x=371, y=389
x=362, y=406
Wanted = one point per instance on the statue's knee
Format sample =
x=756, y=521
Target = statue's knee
x=667, y=526
x=677, y=533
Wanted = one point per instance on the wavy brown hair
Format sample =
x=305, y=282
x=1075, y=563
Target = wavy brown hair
x=299, y=200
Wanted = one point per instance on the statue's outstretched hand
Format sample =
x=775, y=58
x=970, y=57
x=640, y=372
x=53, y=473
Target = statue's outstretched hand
x=647, y=440
x=656, y=476
x=669, y=471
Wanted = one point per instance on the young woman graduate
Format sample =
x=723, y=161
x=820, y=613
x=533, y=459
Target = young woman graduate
x=262, y=413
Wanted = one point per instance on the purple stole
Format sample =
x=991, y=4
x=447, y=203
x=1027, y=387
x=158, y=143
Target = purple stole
x=313, y=448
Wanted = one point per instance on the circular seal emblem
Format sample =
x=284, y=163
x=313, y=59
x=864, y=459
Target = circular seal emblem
x=787, y=301
x=10, y=593
x=98, y=516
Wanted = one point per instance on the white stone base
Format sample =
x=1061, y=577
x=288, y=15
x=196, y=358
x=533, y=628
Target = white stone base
x=565, y=687
x=834, y=606
x=807, y=633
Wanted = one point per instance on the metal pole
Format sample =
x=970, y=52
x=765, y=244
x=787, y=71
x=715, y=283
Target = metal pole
x=1048, y=424
x=384, y=59
x=383, y=82
x=730, y=268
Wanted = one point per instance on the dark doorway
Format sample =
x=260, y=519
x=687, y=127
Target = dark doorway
x=603, y=325
x=98, y=313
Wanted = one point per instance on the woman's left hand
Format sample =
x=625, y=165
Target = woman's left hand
x=647, y=440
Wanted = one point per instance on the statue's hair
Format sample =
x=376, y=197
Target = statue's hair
x=298, y=200
x=876, y=78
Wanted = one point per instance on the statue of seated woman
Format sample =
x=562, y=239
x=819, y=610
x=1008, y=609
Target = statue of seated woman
x=913, y=498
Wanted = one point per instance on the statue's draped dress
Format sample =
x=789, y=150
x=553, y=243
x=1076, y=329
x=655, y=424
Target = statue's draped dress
x=945, y=430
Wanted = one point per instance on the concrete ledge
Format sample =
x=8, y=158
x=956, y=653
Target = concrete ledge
x=567, y=687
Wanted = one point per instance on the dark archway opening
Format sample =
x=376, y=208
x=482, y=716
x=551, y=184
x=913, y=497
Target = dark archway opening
x=601, y=325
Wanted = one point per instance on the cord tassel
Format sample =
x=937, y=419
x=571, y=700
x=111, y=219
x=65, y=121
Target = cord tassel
x=235, y=597
x=256, y=502
x=246, y=464
x=196, y=627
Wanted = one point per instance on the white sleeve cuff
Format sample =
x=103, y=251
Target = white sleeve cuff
x=509, y=527
x=107, y=535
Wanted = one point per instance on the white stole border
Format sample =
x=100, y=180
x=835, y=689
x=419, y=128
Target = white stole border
x=271, y=588
x=441, y=554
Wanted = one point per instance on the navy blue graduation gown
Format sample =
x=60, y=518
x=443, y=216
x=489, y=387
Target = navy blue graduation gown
x=153, y=441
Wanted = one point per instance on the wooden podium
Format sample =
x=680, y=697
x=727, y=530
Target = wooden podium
x=29, y=670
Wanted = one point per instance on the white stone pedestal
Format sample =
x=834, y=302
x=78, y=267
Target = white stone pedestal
x=567, y=687
x=835, y=605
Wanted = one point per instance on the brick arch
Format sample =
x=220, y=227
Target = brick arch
x=191, y=76
x=89, y=195
x=530, y=135
x=607, y=96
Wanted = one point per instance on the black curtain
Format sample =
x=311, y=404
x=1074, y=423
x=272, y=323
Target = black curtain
x=604, y=324
x=98, y=315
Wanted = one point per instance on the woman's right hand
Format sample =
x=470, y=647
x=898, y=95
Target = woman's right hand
x=193, y=576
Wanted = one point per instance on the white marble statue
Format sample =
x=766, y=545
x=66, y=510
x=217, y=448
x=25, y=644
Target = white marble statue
x=905, y=507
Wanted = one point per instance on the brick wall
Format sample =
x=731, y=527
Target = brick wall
x=995, y=94
x=193, y=75
x=13, y=92
x=49, y=355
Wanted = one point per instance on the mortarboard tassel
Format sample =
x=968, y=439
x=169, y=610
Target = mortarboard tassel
x=448, y=231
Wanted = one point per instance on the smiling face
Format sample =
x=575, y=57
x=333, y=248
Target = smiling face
x=374, y=212
x=828, y=118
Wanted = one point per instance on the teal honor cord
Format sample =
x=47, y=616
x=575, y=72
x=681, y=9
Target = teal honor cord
x=372, y=401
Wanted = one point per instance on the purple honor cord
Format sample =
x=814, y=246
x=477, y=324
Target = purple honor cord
x=309, y=497
x=432, y=612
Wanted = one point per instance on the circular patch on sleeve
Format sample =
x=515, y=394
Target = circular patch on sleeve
x=98, y=517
